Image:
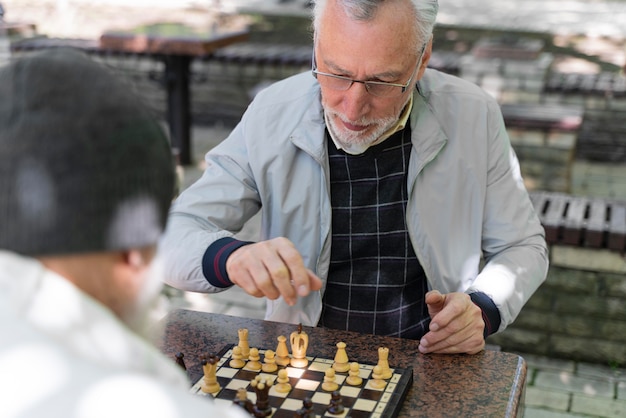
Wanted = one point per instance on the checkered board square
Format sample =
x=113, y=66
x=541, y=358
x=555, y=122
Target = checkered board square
x=362, y=401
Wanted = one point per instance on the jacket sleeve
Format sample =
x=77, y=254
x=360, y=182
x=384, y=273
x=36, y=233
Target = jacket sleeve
x=216, y=206
x=513, y=243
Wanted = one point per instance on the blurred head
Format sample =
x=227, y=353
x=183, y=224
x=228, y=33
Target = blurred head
x=86, y=172
x=370, y=40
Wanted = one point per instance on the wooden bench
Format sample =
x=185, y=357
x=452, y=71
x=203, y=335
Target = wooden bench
x=605, y=84
x=544, y=117
x=602, y=137
x=597, y=223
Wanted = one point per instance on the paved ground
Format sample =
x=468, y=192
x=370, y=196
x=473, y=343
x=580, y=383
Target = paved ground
x=556, y=388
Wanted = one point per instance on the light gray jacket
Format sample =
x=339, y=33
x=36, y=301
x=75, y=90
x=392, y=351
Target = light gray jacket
x=467, y=203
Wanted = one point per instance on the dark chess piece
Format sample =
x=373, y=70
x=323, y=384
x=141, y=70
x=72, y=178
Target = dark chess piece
x=336, y=404
x=180, y=361
x=307, y=409
x=261, y=387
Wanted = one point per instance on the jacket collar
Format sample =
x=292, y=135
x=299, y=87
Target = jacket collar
x=427, y=133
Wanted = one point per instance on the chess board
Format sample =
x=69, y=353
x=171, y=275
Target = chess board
x=359, y=401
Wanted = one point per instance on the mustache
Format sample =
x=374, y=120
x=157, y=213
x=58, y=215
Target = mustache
x=363, y=121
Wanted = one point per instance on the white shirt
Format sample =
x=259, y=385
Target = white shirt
x=63, y=354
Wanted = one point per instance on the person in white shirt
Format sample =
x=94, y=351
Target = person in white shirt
x=86, y=180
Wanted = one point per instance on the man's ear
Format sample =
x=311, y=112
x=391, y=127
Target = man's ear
x=133, y=258
x=425, y=58
x=138, y=257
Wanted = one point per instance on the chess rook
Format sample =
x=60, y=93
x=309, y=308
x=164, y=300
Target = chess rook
x=243, y=343
x=383, y=362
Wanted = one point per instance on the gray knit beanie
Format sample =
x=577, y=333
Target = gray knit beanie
x=84, y=165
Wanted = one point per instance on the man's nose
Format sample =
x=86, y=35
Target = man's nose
x=356, y=101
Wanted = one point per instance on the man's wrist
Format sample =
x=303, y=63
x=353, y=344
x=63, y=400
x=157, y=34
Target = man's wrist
x=491, y=314
x=214, y=260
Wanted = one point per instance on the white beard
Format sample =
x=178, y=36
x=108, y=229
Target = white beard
x=355, y=143
x=151, y=305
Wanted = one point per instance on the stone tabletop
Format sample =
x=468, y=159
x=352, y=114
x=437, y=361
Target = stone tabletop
x=490, y=383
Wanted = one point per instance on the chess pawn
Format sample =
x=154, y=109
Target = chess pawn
x=377, y=381
x=243, y=343
x=336, y=404
x=181, y=361
x=329, y=384
x=242, y=400
x=254, y=360
x=236, y=362
x=307, y=409
x=282, y=352
x=209, y=382
x=283, y=385
x=383, y=355
x=354, y=378
x=299, y=342
x=269, y=362
x=341, y=358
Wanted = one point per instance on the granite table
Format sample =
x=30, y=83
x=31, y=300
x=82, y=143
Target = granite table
x=488, y=384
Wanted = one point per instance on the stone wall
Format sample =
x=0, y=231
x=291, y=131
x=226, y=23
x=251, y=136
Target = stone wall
x=579, y=312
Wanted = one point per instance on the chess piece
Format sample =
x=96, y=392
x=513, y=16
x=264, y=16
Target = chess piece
x=282, y=385
x=254, y=360
x=329, y=384
x=341, y=358
x=269, y=362
x=299, y=342
x=237, y=358
x=377, y=381
x=242, y=400
x=354, y=378
x=282, y=352
x=383, y=355
x=180, y=360
x=336, y=404
x=307, y=409
x=262, y=406
x=209, y=382
x=243, y=343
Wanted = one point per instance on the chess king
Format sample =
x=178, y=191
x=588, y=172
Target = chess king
x=299, y=343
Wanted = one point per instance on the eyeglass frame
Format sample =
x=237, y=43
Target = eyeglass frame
x=367, y=83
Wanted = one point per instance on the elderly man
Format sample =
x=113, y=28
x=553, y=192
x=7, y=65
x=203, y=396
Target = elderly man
x=391, y=200
x=86, y=180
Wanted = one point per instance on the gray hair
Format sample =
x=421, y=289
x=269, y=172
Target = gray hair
x=364, y=10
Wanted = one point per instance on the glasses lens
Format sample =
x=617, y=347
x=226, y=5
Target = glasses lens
x=334, y=83
x=383, y=90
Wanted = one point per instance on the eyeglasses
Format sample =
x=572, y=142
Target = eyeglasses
x=375, y=88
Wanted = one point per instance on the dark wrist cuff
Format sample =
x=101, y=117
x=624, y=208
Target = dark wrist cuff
x=491, y=314
x=214, y=260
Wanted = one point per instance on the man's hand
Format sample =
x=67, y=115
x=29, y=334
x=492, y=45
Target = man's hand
x=272, y=269
x=456, y=325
